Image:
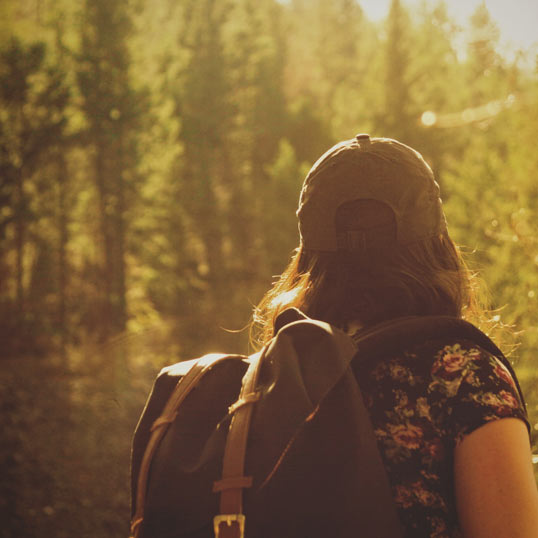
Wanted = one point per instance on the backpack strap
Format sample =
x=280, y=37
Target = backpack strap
x=160, y=425
x=230, y=522
x=398, y=334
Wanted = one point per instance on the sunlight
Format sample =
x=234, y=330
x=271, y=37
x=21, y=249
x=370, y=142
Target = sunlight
x=516, y=19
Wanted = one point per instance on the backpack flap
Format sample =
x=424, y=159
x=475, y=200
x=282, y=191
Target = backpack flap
x=311, y=450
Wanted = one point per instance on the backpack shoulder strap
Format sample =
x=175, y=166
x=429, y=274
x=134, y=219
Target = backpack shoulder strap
x=401, y=333
x=230, y=522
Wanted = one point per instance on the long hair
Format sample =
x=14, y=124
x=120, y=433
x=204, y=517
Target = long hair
x=428, y=277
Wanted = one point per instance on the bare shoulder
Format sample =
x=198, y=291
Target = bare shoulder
x=496, y=492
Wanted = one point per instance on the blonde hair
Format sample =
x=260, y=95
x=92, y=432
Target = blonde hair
x=428, y=277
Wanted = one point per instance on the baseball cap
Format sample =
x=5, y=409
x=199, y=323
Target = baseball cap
x=382, y=170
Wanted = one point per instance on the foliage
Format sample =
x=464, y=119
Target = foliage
x=33, y=98
x=151, y=156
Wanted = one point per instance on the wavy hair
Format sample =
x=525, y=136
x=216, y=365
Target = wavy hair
x=428, y=277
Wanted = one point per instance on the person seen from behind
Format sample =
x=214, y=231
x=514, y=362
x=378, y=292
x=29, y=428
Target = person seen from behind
x=448, y=416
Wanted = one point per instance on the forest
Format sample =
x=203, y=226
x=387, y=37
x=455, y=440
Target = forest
x=151, y=158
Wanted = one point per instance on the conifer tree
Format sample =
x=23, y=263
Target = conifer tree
x=203, y=108
x=398, y=116
x=32, y=102
x=112, y=110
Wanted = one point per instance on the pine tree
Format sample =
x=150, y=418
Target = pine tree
x=112, y=110
x=398, y=116
x=486, y=73
x=32, y=100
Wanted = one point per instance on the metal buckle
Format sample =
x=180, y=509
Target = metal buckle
x=229, y=519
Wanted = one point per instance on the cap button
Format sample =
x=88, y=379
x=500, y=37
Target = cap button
x=362, y=137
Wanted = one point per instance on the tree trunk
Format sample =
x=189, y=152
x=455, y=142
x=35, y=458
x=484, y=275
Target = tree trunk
x=120, y=306
x=62, y=250
x=105, y=321
x=19, y=241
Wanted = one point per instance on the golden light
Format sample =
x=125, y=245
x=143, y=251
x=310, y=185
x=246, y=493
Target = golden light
x=469, y=115
x=428, y=118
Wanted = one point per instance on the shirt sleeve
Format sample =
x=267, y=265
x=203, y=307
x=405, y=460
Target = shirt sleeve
x=471, y=387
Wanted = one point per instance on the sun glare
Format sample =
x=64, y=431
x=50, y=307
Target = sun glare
x=516, y=19
x=428, y=118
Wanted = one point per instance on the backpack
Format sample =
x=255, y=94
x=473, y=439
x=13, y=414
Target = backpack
x=275, y=445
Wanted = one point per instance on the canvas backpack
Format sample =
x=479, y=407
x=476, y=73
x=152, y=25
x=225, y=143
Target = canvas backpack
x=275, y=445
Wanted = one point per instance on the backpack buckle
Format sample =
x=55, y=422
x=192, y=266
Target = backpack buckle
x=229, y=519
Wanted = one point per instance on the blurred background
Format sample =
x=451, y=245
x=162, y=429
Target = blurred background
x=151, y=157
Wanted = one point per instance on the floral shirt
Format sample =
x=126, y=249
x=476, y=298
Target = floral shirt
x=422, y=404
